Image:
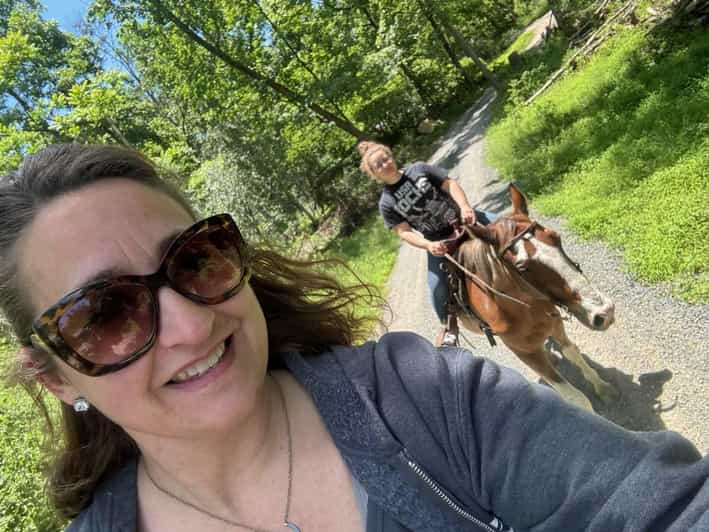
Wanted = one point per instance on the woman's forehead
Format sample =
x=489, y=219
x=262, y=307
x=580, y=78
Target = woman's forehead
x=115, y=225
x=380, y=153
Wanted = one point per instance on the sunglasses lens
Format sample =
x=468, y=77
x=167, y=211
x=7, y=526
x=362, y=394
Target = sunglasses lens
x=207, y=265
x=108, y=325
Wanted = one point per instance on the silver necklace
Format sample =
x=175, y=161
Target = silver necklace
x=286, y=522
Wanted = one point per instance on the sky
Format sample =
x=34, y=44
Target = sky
x=66, y=12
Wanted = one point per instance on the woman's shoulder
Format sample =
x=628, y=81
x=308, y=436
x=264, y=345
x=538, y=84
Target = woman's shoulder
x=412, y=168
x=113, y=506
x=406, y=364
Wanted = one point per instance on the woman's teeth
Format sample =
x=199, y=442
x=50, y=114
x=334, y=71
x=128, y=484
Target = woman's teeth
x=201, y=366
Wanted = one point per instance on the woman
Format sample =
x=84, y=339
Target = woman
x=207, y=385
x=423, y=205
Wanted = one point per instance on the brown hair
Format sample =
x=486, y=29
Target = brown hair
x=305, y=309
x=367, y=149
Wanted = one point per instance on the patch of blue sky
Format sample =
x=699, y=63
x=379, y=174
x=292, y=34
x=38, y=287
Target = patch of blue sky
x=68, y=13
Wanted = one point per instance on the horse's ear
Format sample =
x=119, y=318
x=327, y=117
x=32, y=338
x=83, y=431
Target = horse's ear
x=519, y=202
x=484, y=232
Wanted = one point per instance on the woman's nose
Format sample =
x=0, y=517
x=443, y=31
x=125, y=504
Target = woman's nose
x=183, y=321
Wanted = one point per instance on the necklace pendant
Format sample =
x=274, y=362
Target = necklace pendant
x=292, y=526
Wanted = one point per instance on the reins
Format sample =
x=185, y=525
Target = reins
x=482, y=283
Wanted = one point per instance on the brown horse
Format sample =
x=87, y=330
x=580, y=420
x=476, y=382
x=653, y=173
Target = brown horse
x=525, y=261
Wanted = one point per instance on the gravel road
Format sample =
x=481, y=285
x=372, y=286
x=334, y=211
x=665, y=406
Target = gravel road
x=656, y=353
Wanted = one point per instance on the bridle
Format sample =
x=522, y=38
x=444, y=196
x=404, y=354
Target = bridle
x=458, y=233
x=530, y=231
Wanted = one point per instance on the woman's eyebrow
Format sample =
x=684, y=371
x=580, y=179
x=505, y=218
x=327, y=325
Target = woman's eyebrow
x=165, y=243
x=108, y=273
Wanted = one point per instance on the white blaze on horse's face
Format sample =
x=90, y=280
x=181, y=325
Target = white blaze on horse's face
x=592, y=308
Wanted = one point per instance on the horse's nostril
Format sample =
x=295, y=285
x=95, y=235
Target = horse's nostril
x=599, y=320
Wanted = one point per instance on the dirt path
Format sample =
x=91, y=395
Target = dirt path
x=657, y=352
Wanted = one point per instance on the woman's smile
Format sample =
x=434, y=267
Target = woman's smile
x=207, y=370
x=121, y=226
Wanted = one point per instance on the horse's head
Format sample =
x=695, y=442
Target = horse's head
x=536, y=252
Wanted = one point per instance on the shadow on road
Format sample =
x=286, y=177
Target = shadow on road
x=637, y=408
x=494, y=197
x=460, y=139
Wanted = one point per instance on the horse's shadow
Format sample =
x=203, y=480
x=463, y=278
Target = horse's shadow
x=638, y=406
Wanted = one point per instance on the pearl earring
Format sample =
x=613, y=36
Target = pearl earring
x=80, y=405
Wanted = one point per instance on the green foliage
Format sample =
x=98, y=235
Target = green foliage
x=534, y=68
x=276, y=89
x=530, y=10
x=21, y=483
x=370, y=252
x=620, y=149
x=518, y=45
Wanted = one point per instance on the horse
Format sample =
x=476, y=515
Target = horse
x=521, y=276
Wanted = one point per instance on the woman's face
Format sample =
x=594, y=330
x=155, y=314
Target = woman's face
x=119, y=227
x=384, y=167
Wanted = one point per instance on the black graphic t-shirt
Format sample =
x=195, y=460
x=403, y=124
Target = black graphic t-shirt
x=417, y=198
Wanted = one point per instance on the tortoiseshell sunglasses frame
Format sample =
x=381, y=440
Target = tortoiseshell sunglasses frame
x=45, y=331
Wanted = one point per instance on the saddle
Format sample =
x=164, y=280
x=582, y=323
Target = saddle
x=457, y=294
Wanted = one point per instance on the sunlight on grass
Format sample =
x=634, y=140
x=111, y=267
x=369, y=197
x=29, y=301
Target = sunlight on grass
x=519, y=44
x=370, y=251
x=620, y=149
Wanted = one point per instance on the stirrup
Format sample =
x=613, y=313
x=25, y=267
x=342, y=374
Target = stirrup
x=447, y=338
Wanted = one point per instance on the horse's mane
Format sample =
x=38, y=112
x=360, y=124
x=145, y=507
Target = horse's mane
x=481, y=257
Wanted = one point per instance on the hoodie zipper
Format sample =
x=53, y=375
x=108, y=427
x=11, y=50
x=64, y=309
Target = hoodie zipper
x=441, y=494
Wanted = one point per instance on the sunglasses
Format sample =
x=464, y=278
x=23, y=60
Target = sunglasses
x=108, y=324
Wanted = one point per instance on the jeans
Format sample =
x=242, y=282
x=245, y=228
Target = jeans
x=437, y=282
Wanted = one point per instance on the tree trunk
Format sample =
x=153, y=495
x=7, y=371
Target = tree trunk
x=446, y=45
x=115, y=133
x=466, y=45
x=406, y=71
x=278, y=88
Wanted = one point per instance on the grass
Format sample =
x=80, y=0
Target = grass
x=24, y=507
x=621, y=149
x=370, y=251
x=518, y=45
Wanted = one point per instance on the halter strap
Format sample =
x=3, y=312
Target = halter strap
x=530, y=230
x=518, y=237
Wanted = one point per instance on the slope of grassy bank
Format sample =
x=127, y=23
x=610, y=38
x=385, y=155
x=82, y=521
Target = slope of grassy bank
x=621, y=149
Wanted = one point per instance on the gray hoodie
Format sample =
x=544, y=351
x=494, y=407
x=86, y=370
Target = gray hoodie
x=442, y=440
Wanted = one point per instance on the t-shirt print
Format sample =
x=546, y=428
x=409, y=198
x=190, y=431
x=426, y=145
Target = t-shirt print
x=418, y=199
x=408, y=195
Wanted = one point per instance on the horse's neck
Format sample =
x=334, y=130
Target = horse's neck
x=482, y=258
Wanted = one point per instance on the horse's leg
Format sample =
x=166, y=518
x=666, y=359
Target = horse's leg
x=539, y=362
x=604, y=390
